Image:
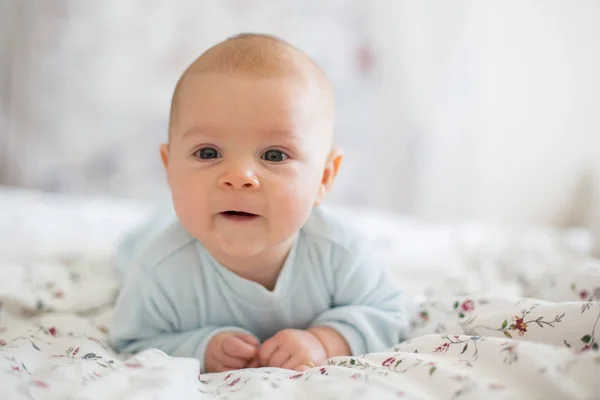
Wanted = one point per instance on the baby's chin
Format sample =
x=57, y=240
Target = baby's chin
x=239, y=248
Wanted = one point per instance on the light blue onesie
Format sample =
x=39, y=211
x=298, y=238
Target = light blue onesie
x=176, y=296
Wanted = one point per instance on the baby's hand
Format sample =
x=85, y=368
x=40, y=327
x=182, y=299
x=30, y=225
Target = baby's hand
x=231, y=350
x=292, y=349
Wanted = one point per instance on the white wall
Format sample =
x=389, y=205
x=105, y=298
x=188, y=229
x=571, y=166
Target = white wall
x=446, y=110
x=499, y=103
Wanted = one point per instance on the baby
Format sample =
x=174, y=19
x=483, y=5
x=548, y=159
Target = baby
x=255, y=272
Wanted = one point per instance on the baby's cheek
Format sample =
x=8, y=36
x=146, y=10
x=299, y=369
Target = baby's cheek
x=191, y=207
x=291, y=209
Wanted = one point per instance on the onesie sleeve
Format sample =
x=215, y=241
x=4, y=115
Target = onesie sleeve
x=145, y=318
x=368, y=307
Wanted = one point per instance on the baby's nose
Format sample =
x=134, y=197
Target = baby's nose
x=239, y=178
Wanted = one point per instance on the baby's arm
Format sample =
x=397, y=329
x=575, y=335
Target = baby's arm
x=368, y=308
x=145, y=318
x=368, y=315
x=332, y=341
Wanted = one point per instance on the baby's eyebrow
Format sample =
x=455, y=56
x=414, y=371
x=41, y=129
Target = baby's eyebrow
x=290, y=134
x=198, y=130
x=269, y=134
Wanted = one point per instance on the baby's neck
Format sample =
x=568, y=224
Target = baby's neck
x=263, y=268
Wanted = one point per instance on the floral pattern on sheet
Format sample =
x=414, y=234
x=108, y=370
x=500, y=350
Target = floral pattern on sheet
x=453, y=341
x=53, y=347
x=529, y=319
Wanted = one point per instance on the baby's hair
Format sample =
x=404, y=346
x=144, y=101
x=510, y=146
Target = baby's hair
x=251, y=54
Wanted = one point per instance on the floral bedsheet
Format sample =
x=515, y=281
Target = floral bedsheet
x=53, y=346
x=498, y=313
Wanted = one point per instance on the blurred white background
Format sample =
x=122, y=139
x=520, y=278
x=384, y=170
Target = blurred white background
x=447, y=110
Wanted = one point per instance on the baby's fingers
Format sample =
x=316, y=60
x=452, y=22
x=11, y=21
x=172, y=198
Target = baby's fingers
x=280, y=358
x=267, y=350
x=238, y=348
x=298, y=364
x=230, y=362
x=254, y=363
x=250, y=339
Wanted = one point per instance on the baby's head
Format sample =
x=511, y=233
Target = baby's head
x=250, y=145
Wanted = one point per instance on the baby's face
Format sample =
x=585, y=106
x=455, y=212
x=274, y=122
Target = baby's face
x=246, y=160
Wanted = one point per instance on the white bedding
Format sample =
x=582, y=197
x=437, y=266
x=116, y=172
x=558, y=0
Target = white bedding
x=500, y=313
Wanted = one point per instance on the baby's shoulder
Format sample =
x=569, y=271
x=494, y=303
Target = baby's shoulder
x=169, y=247
x=333, y=228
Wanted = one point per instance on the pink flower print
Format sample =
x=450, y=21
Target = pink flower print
x=59, y=294
x=76, y=351
x=133, y=364
x=296, y=376
x=227, y=377
x=388, y=362
x=587, y=347
x=52, y=330
x=2, y=342
x=234, y=382
x=15, y=368
x=442, y=348
x=519, y=325
x=322, y=371
x=467, y=305
x=584, y=294
x=40, y=384
x=424, y=315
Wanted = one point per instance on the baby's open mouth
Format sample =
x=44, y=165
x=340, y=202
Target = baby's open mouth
x=238, y=215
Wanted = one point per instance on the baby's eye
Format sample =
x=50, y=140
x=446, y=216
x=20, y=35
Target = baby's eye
x=274, y=156
x=207, y=153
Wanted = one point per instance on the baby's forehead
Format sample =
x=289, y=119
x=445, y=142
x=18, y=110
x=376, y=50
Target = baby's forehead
x=261, y=64
x=225, y=105
x=257, y=57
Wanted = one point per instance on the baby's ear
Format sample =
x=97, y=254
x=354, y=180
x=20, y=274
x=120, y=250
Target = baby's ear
x=332, y=167
x=164, y=155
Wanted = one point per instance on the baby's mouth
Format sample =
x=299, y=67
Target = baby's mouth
x=238, y=215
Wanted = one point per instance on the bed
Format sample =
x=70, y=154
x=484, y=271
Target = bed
x=498, y=312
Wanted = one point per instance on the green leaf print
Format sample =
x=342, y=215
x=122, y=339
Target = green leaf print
x=586, y=339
